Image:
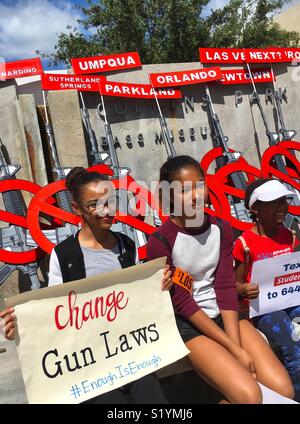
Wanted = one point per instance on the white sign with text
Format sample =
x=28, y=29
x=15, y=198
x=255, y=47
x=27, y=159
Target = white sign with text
x=279, y=284
x=81, y=339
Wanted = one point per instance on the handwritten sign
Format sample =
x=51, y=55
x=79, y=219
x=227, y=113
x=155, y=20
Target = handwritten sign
x=279, y=283
x=82, y=339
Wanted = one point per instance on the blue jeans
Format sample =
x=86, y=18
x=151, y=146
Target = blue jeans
x=277, y=327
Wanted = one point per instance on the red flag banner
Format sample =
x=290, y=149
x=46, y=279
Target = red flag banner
x=20, y=69
x=114, y=62
x=270, y=55
x=210, y=55
x=242, y=76
x=71, y=82
x=191, y=76
x=142, y=91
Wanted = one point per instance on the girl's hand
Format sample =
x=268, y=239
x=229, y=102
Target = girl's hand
x=167, y=282
x=8, y=323
x=245, y=360
x=248, y=291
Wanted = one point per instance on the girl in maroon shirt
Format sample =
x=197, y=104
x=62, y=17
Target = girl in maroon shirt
x=230, y=355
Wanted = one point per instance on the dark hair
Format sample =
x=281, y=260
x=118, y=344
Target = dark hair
x=170, y=169
x=78, y=177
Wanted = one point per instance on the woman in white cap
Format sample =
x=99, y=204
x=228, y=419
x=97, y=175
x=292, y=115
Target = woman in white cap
x=268, y=201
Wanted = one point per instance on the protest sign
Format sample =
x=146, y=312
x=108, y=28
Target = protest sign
x=190, y=76
x=113, y=62
x=71, y=82
x=138, y=91
x=81, y=339
x=241, y=76
x=231, y=55
x=279, y=283
x=20, y=68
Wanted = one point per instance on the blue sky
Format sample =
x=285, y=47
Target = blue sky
x=30, y=25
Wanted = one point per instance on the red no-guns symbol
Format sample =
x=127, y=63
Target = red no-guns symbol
x=219, y=187
x=146, y=196
x=292, y=176
x=39, y=204
x=31, y=255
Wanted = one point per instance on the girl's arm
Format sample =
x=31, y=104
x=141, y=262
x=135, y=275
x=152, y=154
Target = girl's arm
x=245, y=290
x=210, y=329
x=231, y=325
x=183, y=303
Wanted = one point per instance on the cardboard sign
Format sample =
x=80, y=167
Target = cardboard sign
x=142, y=91
x=114, y=62
x=20, y=69
x=270, y=55
x=70, y=82
x=193, y=76
x=241, y=76
x=279, y=284
x=81, y=339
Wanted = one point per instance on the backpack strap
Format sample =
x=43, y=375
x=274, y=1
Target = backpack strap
x=294, y=237
x=127, y=250
x=246, y=255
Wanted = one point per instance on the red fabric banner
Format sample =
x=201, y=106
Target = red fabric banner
x=191, y=76
x=210, y=55
x=142, y=91
x=273, y=55
x=242, y=76
x=20, y=69
x=270, y=55
x=114, y=62
x=71, y=82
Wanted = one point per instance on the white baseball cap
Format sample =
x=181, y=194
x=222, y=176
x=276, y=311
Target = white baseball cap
x=271, y=190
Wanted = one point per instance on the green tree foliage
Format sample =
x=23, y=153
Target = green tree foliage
x=165, y=31
x=249, y=24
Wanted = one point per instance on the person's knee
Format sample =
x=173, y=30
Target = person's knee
x=250, y=394
x=284, y=387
